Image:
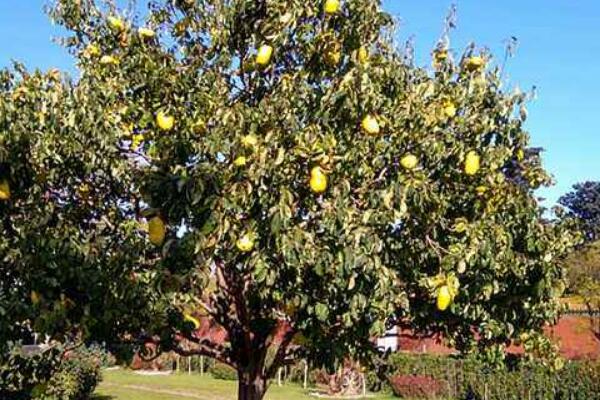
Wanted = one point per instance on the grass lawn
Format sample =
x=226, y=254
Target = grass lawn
x=125, y=385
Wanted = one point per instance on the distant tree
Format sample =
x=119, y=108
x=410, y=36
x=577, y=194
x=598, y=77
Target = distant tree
x=584, y=204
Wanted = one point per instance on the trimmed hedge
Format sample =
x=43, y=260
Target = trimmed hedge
x=223, y=372
x=473, y=380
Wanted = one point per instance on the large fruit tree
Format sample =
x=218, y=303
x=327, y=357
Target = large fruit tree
x=281, y=169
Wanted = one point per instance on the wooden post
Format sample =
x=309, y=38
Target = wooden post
x=201, y=365
x=178, y=361
x=364, y=385
x=305, y=374
x=189, y=365
x=279, y=377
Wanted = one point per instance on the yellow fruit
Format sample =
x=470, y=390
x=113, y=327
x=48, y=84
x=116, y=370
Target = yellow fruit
x=35, y=297
x=249, y=141
x=472, y=163
x=164, y=121
x=331, y=6
x=146, y=33
x=370, y=125
x=481, y=190
x=240, y=161
x=156, y=231
x=108, y=60
x=409, y=161
x=4, y=190
x=474, y=63
x=188, y=317
x=333, y=57
x=245, y=243
x=318, y=180
x=444, y=298
x=116, y=23
x=363, y=55
x=520, y=155
x=92, y=50
x=449, y=109
x=264, y=55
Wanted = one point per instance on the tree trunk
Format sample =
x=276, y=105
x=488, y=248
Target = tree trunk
x=251, y=386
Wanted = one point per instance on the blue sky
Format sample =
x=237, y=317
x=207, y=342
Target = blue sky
x=559, y=53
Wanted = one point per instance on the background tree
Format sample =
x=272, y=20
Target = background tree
x=583, y=203
x=298, y=175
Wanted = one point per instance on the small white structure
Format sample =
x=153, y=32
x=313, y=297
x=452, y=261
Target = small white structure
x=389, y=341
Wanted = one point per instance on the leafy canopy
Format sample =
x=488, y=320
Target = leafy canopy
x=303, y=181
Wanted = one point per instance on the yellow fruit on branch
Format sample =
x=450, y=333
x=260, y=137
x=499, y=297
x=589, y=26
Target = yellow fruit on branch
x=240, y=161
x=444, y=298
x=474, y=63
x=520, y=155
x=249, y=141
x=165, y=122
x=333, y=57
x=108, y=60
x=263, y=57
x=193, y=320
x=370, y=125
x=449, y=108
x=156, y=231
x=92, y=50
x=245, y=244
x=4, y=190
x=472, y=163
x=409, y=161
x=331, y=6
x=318, y=180
x=146, y=33
x=116, y=23
x=363, y=55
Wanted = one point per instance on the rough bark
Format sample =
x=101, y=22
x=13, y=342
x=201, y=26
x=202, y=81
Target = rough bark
x=251, y=385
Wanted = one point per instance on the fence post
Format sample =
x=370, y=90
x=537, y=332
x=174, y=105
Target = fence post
x=364, y=385
x=189, y=365
x=201, y=365
x=279, y=377
x=305, y=374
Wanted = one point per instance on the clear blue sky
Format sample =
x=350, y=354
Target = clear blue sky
x=559, y=53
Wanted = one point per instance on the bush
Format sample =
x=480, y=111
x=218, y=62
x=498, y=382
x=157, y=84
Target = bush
x=472, y=379
x=417, y=387
x=223, y=372
x=77, y=377
x=22, y=374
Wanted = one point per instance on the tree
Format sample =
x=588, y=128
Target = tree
x=302, y=181
x=583, y=203
x=66, y=247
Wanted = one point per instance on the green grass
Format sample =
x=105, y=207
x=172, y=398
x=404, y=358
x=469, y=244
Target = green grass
x=125, y=385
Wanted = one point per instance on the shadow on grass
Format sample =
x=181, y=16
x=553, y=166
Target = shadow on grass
x=101, y=397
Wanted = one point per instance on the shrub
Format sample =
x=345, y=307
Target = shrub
x=22, y=374
x=223, y=372
x=417, y=387
x=472, y=379
x=77, y=377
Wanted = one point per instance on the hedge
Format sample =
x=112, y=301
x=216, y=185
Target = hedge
x=472, y=380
